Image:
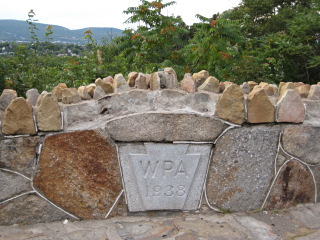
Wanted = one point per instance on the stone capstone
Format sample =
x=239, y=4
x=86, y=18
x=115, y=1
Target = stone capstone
x=169, y=79
x=200, y=77
x=70, y=96
x=19, y=154
x=141, y=81
x=241, y=168
x=290, y=108
x=188, y=84
x=79, y=172
x=106, y=86
x=32, y=209
x=314, y=93
x=165, y=127
x=294, y=185
x=155, y=81
x=303, y=90
x=211, y=84
x=224, y=85
x=48, y=114
x=98, y=93
x=6, y=98
x=260, y=108
x=231, y=106
x=32, y=96
x=57, y=90
x=18, y=118
x=90, y=89
x=160, y=176
x=284, y=87
x=120, y=84
x=84, y=95
x=132, y=78
x=245, y=88
x=302, y=142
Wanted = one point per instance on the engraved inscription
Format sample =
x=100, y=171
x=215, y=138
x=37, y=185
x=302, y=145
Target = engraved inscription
x=164, y=169
x=164, y=175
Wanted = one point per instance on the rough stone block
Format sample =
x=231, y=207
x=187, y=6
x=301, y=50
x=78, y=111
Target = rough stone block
x=242, y=167
x=163, y=176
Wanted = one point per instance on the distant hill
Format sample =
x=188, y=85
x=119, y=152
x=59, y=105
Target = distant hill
x=17, y=30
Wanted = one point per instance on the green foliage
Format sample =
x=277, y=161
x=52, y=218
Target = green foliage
x=260, y=40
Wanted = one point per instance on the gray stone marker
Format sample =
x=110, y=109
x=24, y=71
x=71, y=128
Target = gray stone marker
x=159, y=176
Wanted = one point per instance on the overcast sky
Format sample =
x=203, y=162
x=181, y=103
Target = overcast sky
x=102, y=13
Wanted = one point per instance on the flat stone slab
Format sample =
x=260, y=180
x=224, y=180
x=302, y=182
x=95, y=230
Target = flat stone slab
x=160, y=176
x=165, y=127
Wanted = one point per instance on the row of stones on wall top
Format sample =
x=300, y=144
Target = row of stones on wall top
x=259, y=107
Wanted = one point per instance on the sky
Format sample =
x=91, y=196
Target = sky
x=102, y=13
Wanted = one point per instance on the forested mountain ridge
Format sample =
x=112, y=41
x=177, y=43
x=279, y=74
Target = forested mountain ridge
x=17, y=30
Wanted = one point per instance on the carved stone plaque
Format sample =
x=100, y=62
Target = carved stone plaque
x=163, y=176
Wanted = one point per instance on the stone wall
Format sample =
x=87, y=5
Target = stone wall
x=75, y=154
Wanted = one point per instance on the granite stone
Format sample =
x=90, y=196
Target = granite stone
x=19, y=154
x=302, y=142
x=159, y=176
x=165, y=127
x=241, y=168
x=79, y=172
x=12, y=185
x=294, y=185
x=32, y=209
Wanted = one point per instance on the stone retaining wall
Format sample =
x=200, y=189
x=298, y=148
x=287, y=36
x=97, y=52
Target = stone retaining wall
x=231, y=151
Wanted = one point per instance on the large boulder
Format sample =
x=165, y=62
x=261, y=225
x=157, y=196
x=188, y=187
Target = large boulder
x=79, y=172
x=241, y=168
